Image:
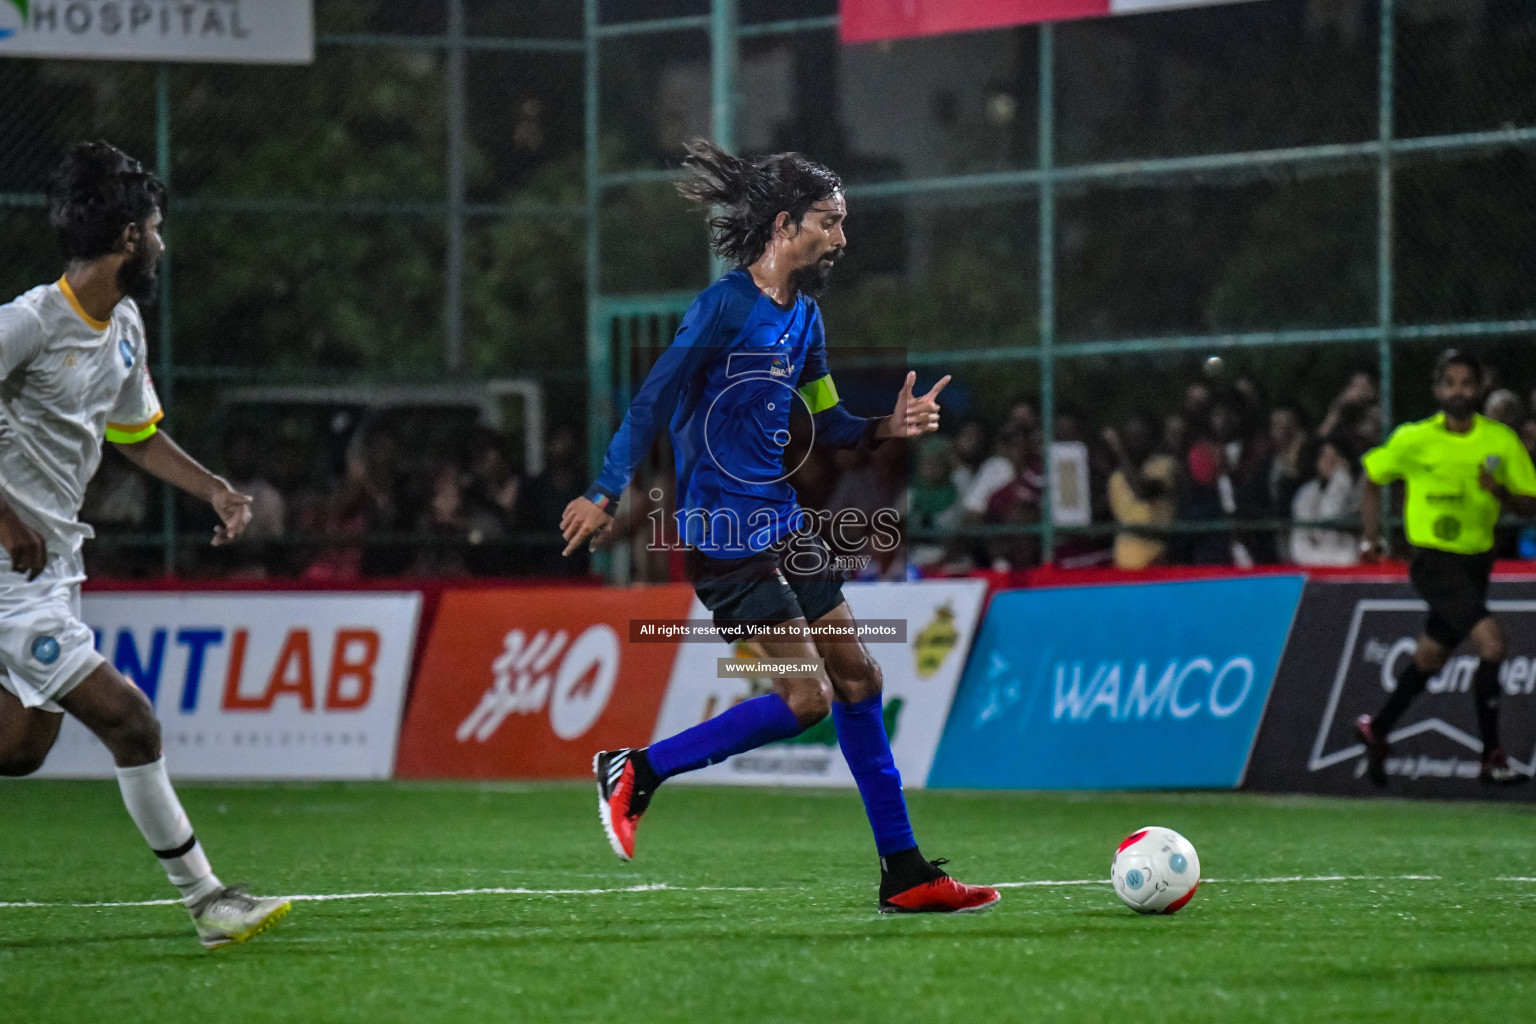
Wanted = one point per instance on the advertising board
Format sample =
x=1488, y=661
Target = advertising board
x=531, y=682
x=256, y=686
x=1350, y=640
x=920, y=674
x=1118, y=687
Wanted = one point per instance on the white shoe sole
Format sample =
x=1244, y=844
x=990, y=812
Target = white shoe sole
x=605, y=814
x=273, y=916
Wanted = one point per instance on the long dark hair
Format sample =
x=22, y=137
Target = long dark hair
x=94, y=194
x=751, y=193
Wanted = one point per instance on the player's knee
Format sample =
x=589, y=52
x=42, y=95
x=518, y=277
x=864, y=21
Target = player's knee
x=874, y=678
x=132, y=733
x=856, y=677
x=1431, y=657
x=1493, y=648
x=811, y=702
x=143, y=736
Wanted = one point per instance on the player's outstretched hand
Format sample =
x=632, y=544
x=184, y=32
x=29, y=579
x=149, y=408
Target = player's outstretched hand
x=234, y=511
x=915, y=416
x=28, y=550
x=582, y=520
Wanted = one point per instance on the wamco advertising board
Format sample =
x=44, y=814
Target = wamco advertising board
x=257, y=686
x=920, y=672
x=1350, y=641
x=1118, y=687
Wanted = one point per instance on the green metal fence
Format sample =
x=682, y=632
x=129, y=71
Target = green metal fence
x=445, y=213
x=1042, y=182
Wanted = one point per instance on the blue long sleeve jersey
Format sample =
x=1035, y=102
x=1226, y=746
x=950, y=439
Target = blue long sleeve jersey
x=726, y=387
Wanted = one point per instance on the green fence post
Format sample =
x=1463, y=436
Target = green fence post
x=1047, y=128
x=722, y=88
x=167, y=371
x=1384, y=257
x=599, y=360
x=453, y=268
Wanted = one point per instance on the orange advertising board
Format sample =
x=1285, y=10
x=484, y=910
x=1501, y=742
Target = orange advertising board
x=530, y=683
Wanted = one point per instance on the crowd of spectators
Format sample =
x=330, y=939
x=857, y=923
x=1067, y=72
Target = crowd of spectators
x=464, y=512
x=1223, y=479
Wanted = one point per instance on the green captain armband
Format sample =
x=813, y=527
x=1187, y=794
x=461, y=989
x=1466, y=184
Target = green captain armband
x=820, y=394
x=117, y=433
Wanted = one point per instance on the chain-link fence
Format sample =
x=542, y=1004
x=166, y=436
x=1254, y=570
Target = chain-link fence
x=1073, y=219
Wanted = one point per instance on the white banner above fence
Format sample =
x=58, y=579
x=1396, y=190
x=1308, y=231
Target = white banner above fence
x=231, y=31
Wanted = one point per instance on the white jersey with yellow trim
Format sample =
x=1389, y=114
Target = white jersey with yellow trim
x=68, y=383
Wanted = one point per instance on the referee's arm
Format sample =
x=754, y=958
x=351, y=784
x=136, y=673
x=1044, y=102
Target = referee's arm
x=1517, y=491
x=1371, y=543
x=1381, y=467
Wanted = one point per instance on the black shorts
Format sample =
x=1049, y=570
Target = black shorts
x=1456, y=587
x=777, y=585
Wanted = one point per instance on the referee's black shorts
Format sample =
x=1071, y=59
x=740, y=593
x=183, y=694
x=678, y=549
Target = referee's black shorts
x=1456, y=588
x=791, y=580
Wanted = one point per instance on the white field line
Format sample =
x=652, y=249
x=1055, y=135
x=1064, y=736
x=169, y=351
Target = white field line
x=497, y=891
x=1255, y=881
x=663, y=887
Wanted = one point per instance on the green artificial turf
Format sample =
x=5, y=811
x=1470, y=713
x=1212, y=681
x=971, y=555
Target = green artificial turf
x=799, y=941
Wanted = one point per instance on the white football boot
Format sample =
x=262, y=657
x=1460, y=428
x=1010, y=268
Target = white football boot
x=231, y=915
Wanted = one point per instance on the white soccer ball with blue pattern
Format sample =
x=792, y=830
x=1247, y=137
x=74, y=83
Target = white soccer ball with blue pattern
x=1155, y=871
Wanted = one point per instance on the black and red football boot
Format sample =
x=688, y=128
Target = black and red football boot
x=1375, y=750
x=921, y=887
x=625, y=785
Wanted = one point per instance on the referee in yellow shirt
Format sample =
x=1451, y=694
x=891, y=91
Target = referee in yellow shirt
x=1460, y=470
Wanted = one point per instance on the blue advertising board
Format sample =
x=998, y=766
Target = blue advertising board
x=1118, y=687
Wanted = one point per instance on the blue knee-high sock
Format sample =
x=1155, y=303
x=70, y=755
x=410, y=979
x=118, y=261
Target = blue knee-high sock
x=861, y=734
x=745, y=726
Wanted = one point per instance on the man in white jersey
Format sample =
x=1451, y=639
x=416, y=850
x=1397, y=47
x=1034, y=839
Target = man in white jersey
x=73, y=373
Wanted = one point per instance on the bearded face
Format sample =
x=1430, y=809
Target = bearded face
x=818, y=244
x=813, y=279
x=139, y=276
x=1457, y=391
x=1458, y=406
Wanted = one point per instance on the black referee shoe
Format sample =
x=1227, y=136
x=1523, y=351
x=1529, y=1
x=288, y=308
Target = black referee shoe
x=1375, y=751
x=1497, y=771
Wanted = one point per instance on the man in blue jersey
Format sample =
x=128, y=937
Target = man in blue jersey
x=751, y=348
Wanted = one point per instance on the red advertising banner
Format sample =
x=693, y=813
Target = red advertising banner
x=530, y=683
x=867, y=21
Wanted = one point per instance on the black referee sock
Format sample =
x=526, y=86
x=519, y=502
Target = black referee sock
x=1485, y=691
x=1411, y=681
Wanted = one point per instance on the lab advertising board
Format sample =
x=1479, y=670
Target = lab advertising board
x=256, y=686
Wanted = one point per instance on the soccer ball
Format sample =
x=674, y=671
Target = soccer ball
x=1155, y=871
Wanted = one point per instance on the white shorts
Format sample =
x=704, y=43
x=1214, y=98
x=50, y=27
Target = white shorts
x=45, y=649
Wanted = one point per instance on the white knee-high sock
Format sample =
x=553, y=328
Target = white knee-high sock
x=152, y=803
